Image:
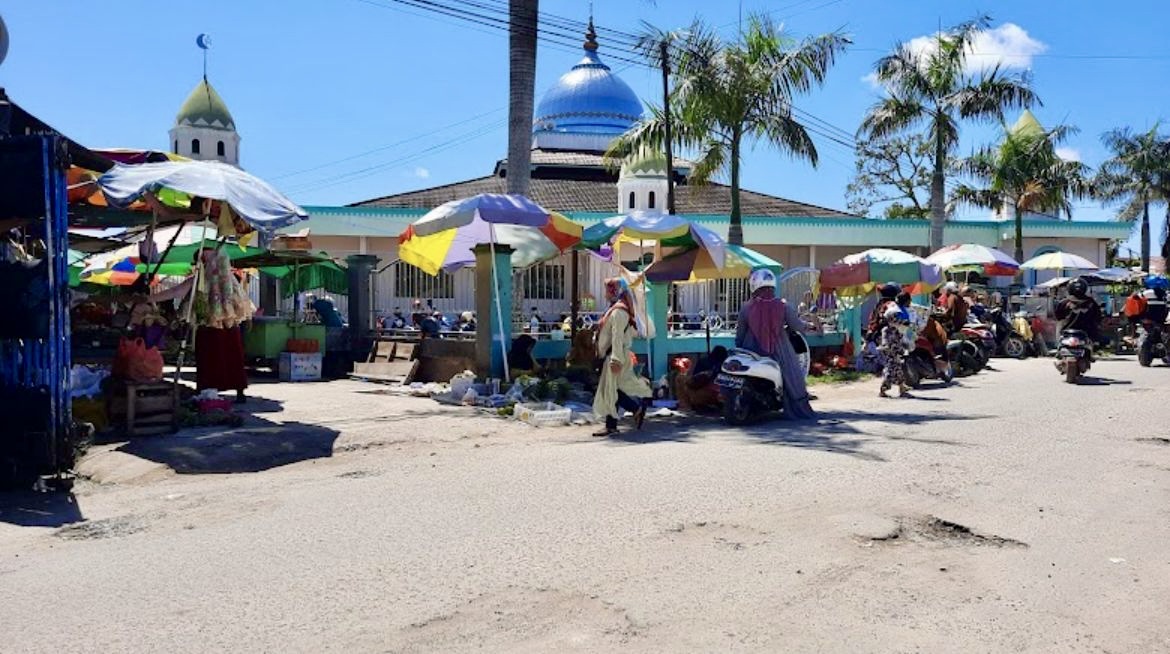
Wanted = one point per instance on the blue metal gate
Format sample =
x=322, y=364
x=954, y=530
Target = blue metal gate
x=35, y=409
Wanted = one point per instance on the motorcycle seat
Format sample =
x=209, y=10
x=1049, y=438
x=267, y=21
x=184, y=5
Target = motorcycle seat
x=1077, y=333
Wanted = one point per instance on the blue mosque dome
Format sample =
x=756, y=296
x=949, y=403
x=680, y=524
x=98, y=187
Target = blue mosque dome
x=587, y=108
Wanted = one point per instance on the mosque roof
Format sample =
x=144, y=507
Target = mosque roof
x=204, y=108
x=577, y=195
x=589, y=99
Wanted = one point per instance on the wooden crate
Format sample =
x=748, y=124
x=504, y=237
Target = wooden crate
x=145, y=409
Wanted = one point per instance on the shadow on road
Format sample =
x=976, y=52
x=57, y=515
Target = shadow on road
x=33, y=509
x=251, y=448
x=837, y=432
x=1103, y=381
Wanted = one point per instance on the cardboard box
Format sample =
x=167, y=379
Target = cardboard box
x=297, y=367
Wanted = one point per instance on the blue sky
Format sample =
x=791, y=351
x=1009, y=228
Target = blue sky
x=343, y=100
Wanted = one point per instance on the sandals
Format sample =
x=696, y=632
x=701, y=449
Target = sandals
x=605, y=432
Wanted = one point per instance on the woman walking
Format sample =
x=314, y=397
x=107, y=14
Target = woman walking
x=764, y=323
x=893, y=347
x=619, y=386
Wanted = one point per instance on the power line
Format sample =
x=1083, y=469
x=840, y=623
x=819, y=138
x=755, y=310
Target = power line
x=387, y=147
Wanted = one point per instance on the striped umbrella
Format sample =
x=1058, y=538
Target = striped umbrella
x=695, y=264
x=971, y=257
x=858, y=274
x=443, y=239
x=663, y=229
x=1058, y=261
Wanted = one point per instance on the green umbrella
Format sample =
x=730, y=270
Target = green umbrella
x=299, y=270
x=177, y=260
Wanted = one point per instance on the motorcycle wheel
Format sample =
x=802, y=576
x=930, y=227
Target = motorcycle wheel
x=1145, y=356
x=910, y=372
x=966, y=365
x=736, y=409
x=1015, y=347
x=1072, y=371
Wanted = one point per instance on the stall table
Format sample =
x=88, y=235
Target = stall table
x=266, y=337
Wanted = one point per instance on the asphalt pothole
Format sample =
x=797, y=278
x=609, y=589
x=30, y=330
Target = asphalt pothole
x=540, y=619
x=936, y=530
x=723, y=535
x=104, y=528
x=1156, y=440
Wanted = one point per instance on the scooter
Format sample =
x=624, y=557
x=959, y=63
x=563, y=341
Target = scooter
x=1153, y=343
x=750, y=385
x=983, y=338
x=921, y=363
x=1075, y=354
x=1008, y=341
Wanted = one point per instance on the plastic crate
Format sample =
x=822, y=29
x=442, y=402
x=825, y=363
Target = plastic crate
x=543, y=414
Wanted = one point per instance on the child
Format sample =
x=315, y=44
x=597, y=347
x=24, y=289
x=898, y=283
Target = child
x=892, y=347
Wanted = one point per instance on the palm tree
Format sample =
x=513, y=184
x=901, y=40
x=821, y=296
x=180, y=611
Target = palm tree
x=1024, y=173
x=933, y=89
x=729, y=92
x=522, y=21
x=1138, y=172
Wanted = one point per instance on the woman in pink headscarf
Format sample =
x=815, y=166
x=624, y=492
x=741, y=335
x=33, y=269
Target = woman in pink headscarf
x=763, y=327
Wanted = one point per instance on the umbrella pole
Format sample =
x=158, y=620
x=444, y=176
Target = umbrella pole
x=496, y=297
x=190, y=334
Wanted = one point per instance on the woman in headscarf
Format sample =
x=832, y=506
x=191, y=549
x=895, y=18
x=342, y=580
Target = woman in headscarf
x=763, y=327
x=619, y=386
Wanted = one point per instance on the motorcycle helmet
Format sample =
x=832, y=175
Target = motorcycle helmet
x=762, y=278
x=1078, y=287
x=951, y=287
x=1155, y=282
x=891, y=290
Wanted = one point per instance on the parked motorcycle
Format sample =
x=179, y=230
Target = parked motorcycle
x=922, y=363
x=983, y=338
x=751, y=385
x=1074, y=355
x=1153, y=343
x=966, y=357
x=1008, y=341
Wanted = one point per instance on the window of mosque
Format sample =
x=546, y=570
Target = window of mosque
x=194, y=146
x=411, y=282
x=176, y=146
x=544, y=282
x=219, y=149
x=631, y=199
x=650, y=202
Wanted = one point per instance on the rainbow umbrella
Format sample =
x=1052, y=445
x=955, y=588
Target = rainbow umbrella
x=858, y=274
x=664, y=229
x=1058, y=261
x=695, y=264
x=443, y=239
x=970, y=257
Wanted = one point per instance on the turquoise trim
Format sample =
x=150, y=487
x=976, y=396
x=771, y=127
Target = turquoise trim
x=760, y=230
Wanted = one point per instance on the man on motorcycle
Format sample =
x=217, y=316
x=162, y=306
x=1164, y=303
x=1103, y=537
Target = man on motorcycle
x=1079, y=311
x=1154, y=313
x=764, y=323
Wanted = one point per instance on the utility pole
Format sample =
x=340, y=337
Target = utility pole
x=664, y=51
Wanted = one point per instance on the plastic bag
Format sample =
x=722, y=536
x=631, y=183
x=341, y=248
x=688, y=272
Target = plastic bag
x=137, y=363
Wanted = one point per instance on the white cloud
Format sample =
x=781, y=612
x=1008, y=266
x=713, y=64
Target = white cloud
x=1069, y=154
x=1008, y=46
x=422, y=173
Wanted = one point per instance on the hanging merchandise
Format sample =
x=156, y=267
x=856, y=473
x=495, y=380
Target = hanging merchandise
x=220, y=299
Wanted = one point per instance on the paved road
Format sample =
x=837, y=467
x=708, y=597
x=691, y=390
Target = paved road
x=1013, y=513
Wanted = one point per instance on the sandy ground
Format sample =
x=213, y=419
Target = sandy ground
x=1012, y=514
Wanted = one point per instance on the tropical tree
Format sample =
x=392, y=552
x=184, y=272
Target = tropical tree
x=729, y=93
x=1137, y=173
x=1024, y=174
x=934, y=89
x=894, y=170
x=522, y=22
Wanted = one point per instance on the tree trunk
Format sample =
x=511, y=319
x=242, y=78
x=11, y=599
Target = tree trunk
x=1019, y=232
x=938, y=192
x=1166, y=236
x=1146, y=236
x=522, y=16
x=735, y=227
x=665, y=54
